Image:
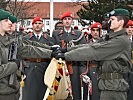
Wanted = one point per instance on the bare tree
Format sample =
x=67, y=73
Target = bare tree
x=3, y=3
x=20, y=8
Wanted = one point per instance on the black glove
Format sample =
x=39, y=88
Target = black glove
x=63, y=50
x=60, y=55
x=57, y=54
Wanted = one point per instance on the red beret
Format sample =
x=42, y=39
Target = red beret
x=76, y=27
x=66, y=14
x=130, y=23
x=21, y=28
x=96, y=25
x=37, y=19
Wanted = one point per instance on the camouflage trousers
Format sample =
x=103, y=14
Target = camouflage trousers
x=12, y=96
x=113, y=95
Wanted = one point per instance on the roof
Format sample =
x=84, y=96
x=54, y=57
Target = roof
x=42, y=9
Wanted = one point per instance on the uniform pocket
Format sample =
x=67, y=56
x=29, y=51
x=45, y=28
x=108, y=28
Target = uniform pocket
x=113, y=85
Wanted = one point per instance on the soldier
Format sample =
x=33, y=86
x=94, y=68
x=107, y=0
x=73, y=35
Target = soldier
x=14, y=23
x=8, y=82
x=63, y=38
x=129, y=28
x=96, y=30
x=21, y=31
x=35, y=88
x=113, y=54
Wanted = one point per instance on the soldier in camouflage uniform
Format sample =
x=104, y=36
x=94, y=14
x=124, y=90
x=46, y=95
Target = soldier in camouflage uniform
x=9, y=85
x=114, y=55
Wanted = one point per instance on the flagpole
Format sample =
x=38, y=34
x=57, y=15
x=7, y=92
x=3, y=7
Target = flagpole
x=51, y=17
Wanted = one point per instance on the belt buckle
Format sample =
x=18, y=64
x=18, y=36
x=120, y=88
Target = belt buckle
x=38, y=60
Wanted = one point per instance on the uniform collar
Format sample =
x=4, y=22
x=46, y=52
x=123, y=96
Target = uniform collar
x=6, y=40
x=40, y=34
x=62, y=31
x=94, y=40
x=115, y=34
x=30, y=35
x=130, y=38
x=68, y=31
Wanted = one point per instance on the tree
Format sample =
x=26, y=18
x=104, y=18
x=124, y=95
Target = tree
x=19, y=8
x=3, y=4
x=97, y=9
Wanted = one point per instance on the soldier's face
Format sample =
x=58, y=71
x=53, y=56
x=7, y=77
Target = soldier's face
x=129, y=30
x=13, y=27
x=116, y=24
x=5, y=26
x=37, y=26
x=67, y=22
x=95, y=33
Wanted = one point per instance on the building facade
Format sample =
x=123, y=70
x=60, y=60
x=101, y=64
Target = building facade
x=42, y=9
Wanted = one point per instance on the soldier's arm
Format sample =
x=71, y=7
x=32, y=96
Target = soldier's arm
x=29, y=51
x=7, y=69
x=34, y=43
x=76, y=46
x=98, y=51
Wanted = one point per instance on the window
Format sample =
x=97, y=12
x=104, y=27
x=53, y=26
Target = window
x=79, y=23
x=47, y=22
x=28, y=22
x=73, y=23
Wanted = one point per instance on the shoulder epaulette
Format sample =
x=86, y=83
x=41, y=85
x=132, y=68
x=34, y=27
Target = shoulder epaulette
x=73, y=32
x=30, y=34
x=60, y=32
x=45, y=35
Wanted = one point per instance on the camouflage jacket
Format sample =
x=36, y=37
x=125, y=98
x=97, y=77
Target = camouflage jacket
x=115, y=55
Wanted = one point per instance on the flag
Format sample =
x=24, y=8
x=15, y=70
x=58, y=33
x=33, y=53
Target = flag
x=57, y=80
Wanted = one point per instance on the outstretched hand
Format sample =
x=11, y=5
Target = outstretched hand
x=57, y=54
x=60, y=55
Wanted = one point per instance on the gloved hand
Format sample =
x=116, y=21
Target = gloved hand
x=54, y=52
x=54, y=47
x=58, y=54
x=63, y=50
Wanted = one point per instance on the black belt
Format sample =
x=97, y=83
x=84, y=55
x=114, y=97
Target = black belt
x=37, y=60
x=111, y=76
